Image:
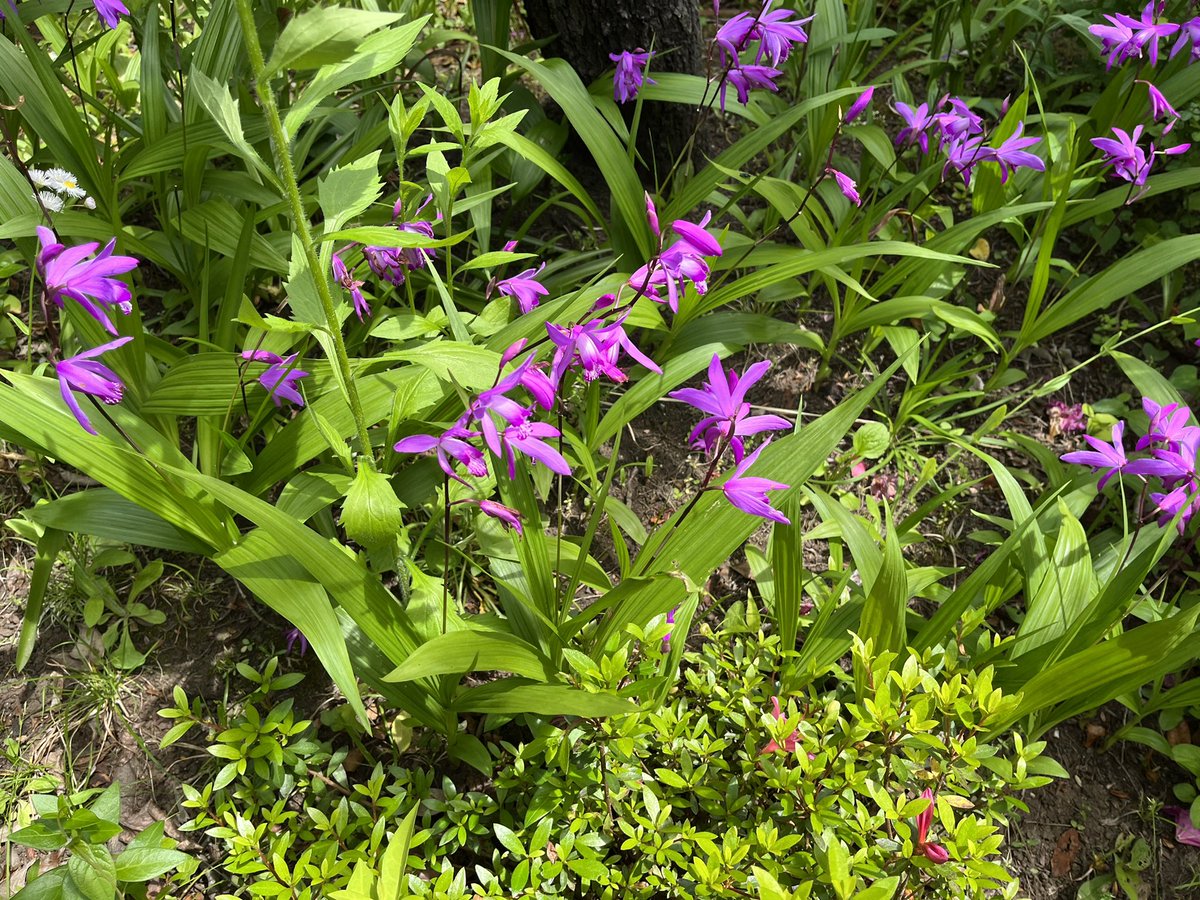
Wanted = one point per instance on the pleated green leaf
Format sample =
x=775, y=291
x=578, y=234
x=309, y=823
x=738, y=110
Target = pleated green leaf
x=458, y=652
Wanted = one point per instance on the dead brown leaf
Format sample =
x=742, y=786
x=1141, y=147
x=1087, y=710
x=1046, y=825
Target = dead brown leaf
x=1066, y=849
x=1095, y=731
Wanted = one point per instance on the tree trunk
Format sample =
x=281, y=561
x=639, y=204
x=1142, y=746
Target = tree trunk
x=587, y=31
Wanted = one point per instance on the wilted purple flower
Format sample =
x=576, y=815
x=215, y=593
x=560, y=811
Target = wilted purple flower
x=1189, y=35
x=723, y=397
x=280, y=377
x=933, y=852
x=67, y=273
x=749, y=494
x=595, y=347
x=846, y=184
x=857, y=107
x=777, y=33
x=916, y=127
x=386, y=263
x=1012, y=154
x=1066, y=418
x=746, y=78
x=110, y=10
x=342, y=275
x=295, y=636
x=453, y=443
x=666, y=641
x=630, y=73
x=524, y=287
x=84, y=374
x=1160, y=107
x=1102, y=456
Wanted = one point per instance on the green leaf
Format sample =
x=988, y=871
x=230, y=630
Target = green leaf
x=883, y=615
x=348, y=191
x=221, y=105
x=103, y=513
x=588, y=869
x=48, y=546
x=459, y=652
x=93, y=872
x=371, y=513
x=145, y=863
x=323, y=36
x=395, y=859
x=514, y=695
x=872, y=440
x=282, y=583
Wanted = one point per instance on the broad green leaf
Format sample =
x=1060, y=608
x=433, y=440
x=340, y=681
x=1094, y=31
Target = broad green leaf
x=348, y=191
x=146, y=863
x=514, y=695
x=103, y=513
x=48, y=546
x=324, y=36
x=458, y=652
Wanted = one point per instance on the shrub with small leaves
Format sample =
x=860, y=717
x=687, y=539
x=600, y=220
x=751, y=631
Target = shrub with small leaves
x=884, y=781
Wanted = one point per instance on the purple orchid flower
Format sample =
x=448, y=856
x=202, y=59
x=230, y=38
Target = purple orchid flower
x=964, y=155
x=296, y=636
x=846, y=185
x=595, y=347
x=666, y=641
x=1160, y=107
x=1102, y=456
x=84, y=374
x=1012, y=154
x=1117, y=40
x=652, y=214
x=680, y=263
x=524, y=287
x=1189, y=35
x=1146, y=32
x=723, y=397
x=495, y=403
x=1168, y=423
x=342, y=275
x=1183, y=502
x=527, y=439
x=1129, y=161
x=630, y=73
x=110, y=11
x=916, y=127
x=508, y=517
x=280, y=377
x=745, y=78
x=66, y=272
x=959, y=123
x=749, y=494
x=777, y=33
x=453, y=443
x=733, y=37
x=859, y=106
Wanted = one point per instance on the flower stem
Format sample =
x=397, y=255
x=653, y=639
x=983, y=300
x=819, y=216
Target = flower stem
x=287, y=173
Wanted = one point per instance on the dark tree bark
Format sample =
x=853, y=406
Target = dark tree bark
x=589, y=30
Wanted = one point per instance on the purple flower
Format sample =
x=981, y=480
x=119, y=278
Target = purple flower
x=964, y=155
x=280, y=377
x=453, y=443
x=916, y=127
x=1145, y=32
x=1066, y=419
x=1160, y=107
x=680, y=263
x=83, y=373
x=746, y=78
x=495, y=403
x=1102, y=455
x=777, y=33
x=524, y=287
x=386, y=263
x=341, y=274
x=527, y=439
x=666, y=641
x=595, y=347
x=856, y=109
x=1183, y=502
x=67, y=273
x=749, y=494
x=1129, y=161
x=297, y=636
x=732, y=37
x=959, y=123
x=846, y=184
x=630, y=73
x=1189, y=34
x=1012, y=154
x=507, y=516
x=652, y=214
x=1117, y=40
x=1168, y=424
x=724, y=399
x=109, y=10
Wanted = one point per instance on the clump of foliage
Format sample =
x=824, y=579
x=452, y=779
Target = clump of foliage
x=840, y=789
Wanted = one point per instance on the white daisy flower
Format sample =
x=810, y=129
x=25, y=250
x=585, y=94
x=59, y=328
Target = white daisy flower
x=50, y=200
x=59, y=180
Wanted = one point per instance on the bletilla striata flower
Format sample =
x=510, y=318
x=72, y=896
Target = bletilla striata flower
x=1109, y=458
x=280, y=377
x=110, y=11
x=749, y=494
x=630, y=73
x=67, y=272
x=85, y=374
x=343, y=276
x=723, y=397
x=1014, y=154
x=846, y=185
x=916, y=125
x=453, y=444
x=525, y=287
x=680, y=263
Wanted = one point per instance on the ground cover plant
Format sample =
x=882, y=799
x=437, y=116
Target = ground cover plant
x=374, y=309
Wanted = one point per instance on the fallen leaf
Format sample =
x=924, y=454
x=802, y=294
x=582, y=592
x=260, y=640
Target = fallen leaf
x=1095, y=731
x=1066, y=849
x=1180, y=734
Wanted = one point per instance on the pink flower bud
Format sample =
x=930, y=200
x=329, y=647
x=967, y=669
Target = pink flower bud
x=859, y=105
x=935, y=853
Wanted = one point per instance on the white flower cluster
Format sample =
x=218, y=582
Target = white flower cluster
x=56, y=187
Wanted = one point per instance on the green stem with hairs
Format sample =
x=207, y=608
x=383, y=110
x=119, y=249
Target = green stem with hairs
x=287, y=172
